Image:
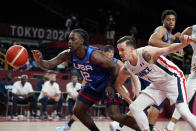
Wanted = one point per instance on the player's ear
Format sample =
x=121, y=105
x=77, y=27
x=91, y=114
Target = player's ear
x=82, y=41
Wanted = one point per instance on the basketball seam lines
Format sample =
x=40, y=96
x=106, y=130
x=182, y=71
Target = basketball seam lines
x=19, y=53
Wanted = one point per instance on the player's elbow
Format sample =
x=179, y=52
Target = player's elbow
x=152, y=42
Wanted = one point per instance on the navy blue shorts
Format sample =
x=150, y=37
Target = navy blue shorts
x=89, y=96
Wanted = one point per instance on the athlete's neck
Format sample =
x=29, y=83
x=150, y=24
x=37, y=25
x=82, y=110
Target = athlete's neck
x=81, y=52
x=168, y=29
x=133, y=58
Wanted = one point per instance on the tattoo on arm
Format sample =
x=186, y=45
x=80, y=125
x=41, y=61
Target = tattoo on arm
x=146, y=55
x=125, y=71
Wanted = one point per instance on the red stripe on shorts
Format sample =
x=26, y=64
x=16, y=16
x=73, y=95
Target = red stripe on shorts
x=180, y=73
x=90, y=99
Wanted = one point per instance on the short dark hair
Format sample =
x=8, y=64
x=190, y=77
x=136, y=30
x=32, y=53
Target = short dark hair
x=130, y=41
x=107, y=48
x=83, y=34
x=168, y=12
x=74, y=76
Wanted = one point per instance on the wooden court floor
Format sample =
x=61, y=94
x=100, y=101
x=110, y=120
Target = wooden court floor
x=77, y=126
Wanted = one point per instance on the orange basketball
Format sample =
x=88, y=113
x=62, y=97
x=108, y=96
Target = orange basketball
x=16, y=56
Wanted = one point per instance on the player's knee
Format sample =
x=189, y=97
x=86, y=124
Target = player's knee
x=183, y=110
x=183, y=113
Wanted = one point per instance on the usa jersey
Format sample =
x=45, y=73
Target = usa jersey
x=159, y=73
x=94, y=75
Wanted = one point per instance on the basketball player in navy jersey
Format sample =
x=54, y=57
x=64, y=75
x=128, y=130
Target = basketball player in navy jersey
x=163, y=37
x=98, y=70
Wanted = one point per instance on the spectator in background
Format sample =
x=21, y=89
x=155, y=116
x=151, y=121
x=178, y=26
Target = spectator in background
x=72, y=89
x=140, y=42
x=51, y=94
x=133, y=32
x=71, y=23
x=33, y=65
x=110, y=30
x=3, y=49
x=42, y=81
x=5, y=86
x=23, y=93
x=26, y=67
x=75, y=22
x=68, y=24
x=2, y=53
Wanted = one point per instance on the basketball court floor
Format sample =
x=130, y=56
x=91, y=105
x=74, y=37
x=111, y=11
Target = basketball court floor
x=50, y=125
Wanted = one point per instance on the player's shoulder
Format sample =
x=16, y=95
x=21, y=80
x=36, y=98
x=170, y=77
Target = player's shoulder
x=160, y=29
x=147, y=48
x=93, y=50
x=96, y=52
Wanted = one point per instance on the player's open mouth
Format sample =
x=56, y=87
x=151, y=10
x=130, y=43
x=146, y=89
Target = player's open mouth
x=69, y=46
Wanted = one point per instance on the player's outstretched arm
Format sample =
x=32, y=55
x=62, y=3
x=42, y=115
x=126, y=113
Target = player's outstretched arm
x=151, y=53
x=48, y=64
x=122, y=76
x=156, y=38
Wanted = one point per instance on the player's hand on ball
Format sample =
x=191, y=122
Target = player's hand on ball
x=109, y=92
x=37, y=55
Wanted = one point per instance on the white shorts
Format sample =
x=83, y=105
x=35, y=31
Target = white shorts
x=191, y=86
x=174, y=90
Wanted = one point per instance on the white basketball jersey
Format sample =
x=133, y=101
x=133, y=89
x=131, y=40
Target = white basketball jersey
x=193, y=44
x=159, y=73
